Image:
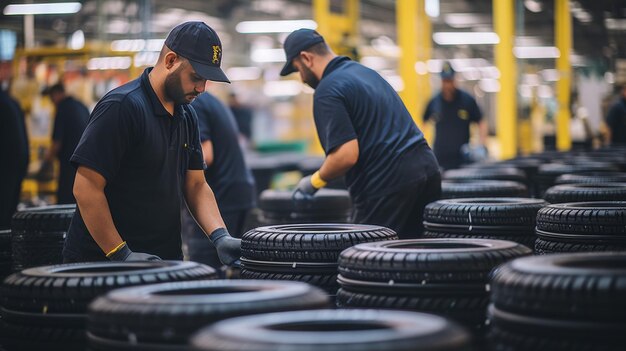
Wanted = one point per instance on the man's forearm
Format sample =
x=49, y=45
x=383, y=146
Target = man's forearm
x=483, y=131
x=203, y=206
x=338, y=162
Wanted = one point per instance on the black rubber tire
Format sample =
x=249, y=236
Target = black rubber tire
x=308, y=242
x=5, y=253
x=498, y=173
x=327, y=206
x=38, y=234
x=467, y=214
x=323, y=276
x=584, y=220
x=54, y=299
x=511, y=332
x=168, y=314
x=586, y=287
x=548, y=173
x=543, y=247
x=586, y=192
x=527, y=239
x=427, y=261
x=482, y=188
x=593, y=178
x=333, y=330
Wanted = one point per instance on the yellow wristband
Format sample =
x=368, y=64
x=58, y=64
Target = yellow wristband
x=116, y=249
x=317, y=181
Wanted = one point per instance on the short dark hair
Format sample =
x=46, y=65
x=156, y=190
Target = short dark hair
x=319, y=49
x=56, y=88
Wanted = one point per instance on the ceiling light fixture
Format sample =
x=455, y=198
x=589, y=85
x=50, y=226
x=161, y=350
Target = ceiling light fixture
x=54, y=8
x=536, y=52
x=287, y=26
x=466, y=38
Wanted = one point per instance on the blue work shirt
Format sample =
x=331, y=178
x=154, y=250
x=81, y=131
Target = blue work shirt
x=229, y=177
x=143, y=152
x=452, y=121
x=354, y=102
x=616, y=120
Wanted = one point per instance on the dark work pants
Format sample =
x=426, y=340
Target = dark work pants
x=196, y=245
x=403, y=210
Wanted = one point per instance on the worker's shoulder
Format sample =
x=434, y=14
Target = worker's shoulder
x=349, y=77
x=129, y=95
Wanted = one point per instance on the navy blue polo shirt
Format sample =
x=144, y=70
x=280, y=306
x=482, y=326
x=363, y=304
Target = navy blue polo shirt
x=143, y=152
x=228, y=176
x=616, y=120
x=452, y=121
x=354, y=102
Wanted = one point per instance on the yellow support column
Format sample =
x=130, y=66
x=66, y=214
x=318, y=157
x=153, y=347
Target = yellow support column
x=506, y=99
x=407, y=22
x=563, y=31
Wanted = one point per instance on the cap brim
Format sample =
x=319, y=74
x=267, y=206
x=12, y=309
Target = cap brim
x=211, y=73
x=287, y=69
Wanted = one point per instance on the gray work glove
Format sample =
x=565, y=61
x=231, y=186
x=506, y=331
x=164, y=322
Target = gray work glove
x=304, y=190
x=125, y=254
x=228, y=248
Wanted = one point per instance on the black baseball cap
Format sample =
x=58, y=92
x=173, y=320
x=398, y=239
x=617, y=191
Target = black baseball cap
x=198, y=43
x=447, y=72
x=296, y=42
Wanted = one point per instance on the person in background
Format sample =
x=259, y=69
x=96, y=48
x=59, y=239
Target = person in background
x=140, y=157
x=367, y=134
x=452, y=111
x=13, y=156
x=616, y=120
x=226, y=173
x=243, y=116
x=70, y=120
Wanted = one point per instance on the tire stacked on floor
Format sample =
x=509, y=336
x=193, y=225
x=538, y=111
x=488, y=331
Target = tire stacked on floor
x=548, y=173
x=5, y=253
x=566, y=302
x=38, y=234
x=327, y=206
x=334, y=330
x=441, y=276
x=581, y=227
x=586, y=192
x=164, y=316
x=451, y=189
x=303, y=252
x=488, y=218
x=497, y=173
x=46, y=307
x=592, y=178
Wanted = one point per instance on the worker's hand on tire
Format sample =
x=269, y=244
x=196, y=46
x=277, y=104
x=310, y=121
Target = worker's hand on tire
x=124, y=253
x=228, y=248
x=305, y=189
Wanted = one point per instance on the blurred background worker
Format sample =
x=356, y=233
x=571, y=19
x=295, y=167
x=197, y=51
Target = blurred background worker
x=243, y=116
x=616, y=120
x=70, y=121
x=226, y=173
x=452, y=111
x=13, y=157
x=367, y=134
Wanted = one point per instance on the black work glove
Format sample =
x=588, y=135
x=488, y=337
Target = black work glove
x=228, y=248
x=305, y=189
x=125, y=254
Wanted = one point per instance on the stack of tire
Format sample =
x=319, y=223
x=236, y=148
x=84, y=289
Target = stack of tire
x=591, y=178
x=586, y=192
x=334, y=330
x=442, y=276
x=562, y=302
x=487, y=218
x=455, y=189
x=38, y=234
x=326, y=206
x=45, y=308
x=164, y=316
x=5, y=253
x=548, y=173
x=303, y=252
x=528, y=165
x=487, y=173
x=581, y=227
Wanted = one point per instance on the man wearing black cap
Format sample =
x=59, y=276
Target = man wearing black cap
x=368, y=135
x=70, y=120
x=452, y=111
x=140, y=154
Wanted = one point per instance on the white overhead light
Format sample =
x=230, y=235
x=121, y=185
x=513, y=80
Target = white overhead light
x=137, y=45
x=432, y=8
x=466, y=38
x=282, y=88
x=533, y=5
x=549, y=75
x=464, y=20
x=374, y=62
x=146, y=58
x=268, y=55
x=243, y=73
x=536, y=52
x=106, y=63
x=286, y=26
x=77, y=40
x=489, y=85
x=53, y=8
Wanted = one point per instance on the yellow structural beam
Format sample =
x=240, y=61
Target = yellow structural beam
x=340, y=30
x=563, y=31
x=506, y=99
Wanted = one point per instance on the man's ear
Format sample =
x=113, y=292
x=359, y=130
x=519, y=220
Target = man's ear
x=307, y=58
x=170, y=59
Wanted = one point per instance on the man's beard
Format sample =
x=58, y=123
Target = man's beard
x=309, y=78
x=174, y=88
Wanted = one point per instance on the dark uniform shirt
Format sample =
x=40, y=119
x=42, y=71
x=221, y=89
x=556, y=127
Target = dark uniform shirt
x=616, y=120
x=143, y=152
x=69, y=123
x=452, y=121
x=354, y=102
x=228, y=176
